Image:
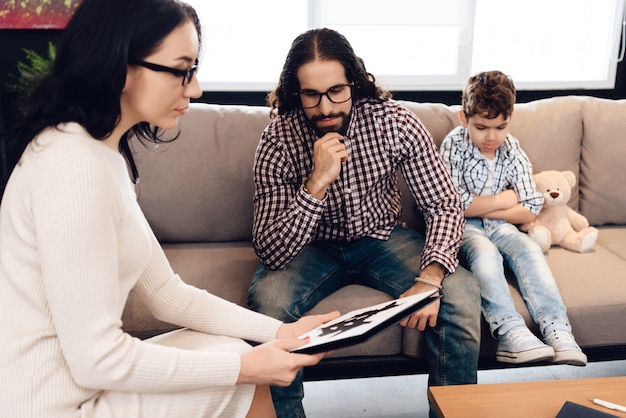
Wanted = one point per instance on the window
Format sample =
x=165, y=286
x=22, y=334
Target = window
x=553, y=44
x=420, y=45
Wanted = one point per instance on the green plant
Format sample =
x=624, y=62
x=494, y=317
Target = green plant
x=33, y=69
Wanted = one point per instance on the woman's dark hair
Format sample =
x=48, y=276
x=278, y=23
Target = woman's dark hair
x=89, y=71
x=325, y=45
x=489, y=94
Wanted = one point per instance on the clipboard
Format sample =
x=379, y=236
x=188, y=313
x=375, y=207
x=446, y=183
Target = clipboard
x=574, y=410
x=360, y=324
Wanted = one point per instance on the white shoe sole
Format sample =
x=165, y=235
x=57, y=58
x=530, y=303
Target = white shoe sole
x=529, y=356
x=571, y=357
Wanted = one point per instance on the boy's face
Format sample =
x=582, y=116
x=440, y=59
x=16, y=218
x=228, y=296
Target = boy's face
x=487, y=134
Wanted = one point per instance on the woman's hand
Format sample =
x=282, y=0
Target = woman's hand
x=304, y=324
x=273, y=363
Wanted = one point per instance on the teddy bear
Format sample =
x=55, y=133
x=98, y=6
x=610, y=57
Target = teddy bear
x=557, y=223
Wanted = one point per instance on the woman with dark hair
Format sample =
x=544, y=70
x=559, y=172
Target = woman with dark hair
x=74, y=243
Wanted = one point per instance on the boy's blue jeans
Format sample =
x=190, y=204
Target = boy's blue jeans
x=390, y=266
x=490, y=245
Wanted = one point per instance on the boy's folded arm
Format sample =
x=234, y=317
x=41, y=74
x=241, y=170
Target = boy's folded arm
x=482, y=206
x=516, y=215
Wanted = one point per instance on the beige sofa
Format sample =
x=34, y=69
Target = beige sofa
x=197, y=194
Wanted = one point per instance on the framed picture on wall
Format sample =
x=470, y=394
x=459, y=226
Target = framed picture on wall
x=36, y=14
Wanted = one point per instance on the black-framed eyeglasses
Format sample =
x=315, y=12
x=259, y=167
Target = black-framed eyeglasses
x=187, y=74
x=337, y=94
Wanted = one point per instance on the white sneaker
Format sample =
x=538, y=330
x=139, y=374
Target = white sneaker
x=566, y=351
x=519, y=345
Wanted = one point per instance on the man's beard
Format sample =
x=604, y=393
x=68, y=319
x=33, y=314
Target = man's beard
x=345, y=120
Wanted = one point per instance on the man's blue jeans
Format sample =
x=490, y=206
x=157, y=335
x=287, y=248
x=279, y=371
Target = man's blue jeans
x=490, y=245
x=390, y=266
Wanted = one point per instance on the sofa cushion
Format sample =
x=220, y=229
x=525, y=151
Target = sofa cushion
x=602, y=185
x=199, y=188
x=612, y=238
x=223, y=269
x=438, y=118
x=226, y=270
x=550, y=132
x=593, y=291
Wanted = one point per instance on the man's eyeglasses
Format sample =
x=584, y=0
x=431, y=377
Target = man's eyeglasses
x=187, y=74
x=337, y=94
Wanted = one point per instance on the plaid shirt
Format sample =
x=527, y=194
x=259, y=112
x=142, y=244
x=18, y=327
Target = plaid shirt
x=469, y=170
x=364, y=201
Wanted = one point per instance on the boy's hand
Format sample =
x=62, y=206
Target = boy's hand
x=507, y=199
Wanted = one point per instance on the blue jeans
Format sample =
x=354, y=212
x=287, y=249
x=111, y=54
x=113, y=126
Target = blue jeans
x=390, y=266
x=491, y=245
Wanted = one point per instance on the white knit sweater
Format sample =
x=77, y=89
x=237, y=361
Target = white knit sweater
x=73, y=244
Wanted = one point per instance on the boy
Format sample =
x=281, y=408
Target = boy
x=494, y=177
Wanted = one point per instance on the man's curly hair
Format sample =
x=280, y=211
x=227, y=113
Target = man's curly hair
x=324, y=45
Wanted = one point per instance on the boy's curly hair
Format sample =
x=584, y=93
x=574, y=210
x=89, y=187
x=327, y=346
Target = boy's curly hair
x=489, y=94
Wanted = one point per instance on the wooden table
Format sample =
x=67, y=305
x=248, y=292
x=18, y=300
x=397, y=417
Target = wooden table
x=525, y=399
